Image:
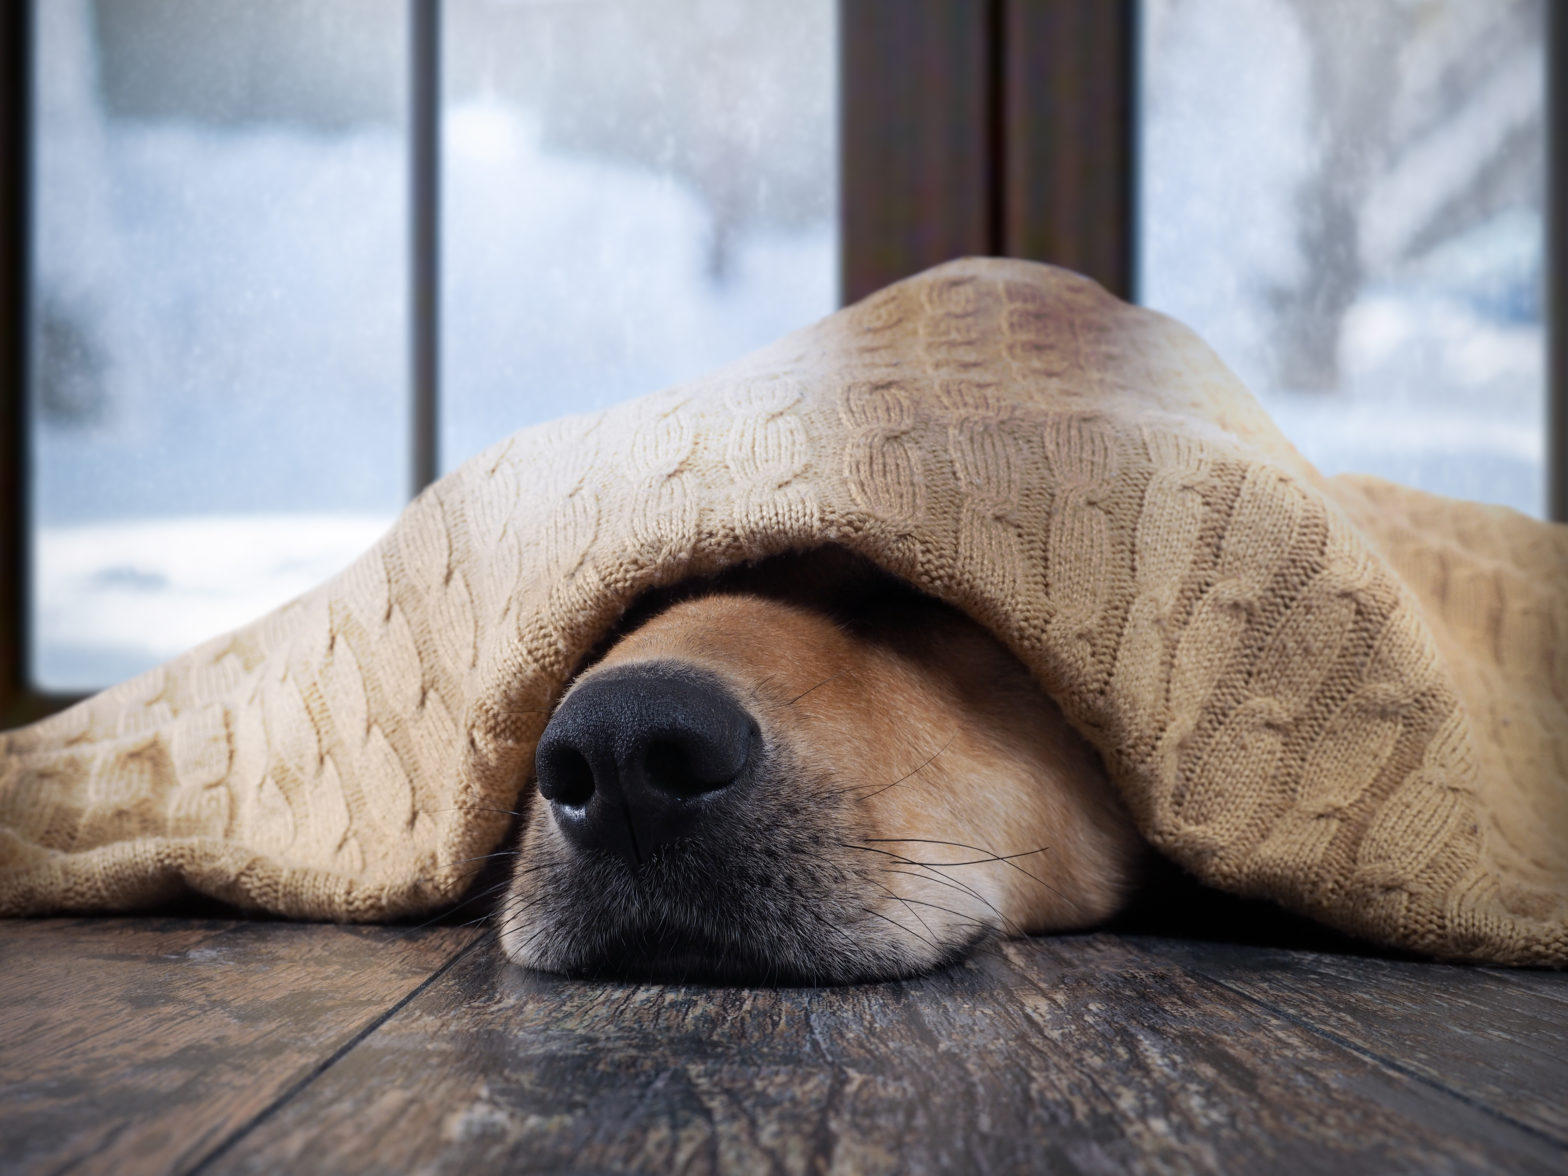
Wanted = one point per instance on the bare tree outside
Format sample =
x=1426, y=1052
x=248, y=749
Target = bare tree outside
x=1346, y=199
x=1392, y=85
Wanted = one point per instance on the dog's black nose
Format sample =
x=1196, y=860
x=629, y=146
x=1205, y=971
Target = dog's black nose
x=637, y=756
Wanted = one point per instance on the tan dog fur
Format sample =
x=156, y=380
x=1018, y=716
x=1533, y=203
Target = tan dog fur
x=965, y=803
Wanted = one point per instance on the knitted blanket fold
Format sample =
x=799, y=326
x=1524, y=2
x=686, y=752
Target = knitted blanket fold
x=1340, y=694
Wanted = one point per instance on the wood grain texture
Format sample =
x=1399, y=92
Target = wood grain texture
x=1088, y=1053
x=140, y=1045
x=1494, y=1042
x=1542, y=981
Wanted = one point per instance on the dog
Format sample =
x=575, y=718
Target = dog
x=806, y=772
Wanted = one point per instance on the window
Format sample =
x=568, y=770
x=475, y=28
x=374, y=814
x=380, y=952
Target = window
x=1347, y=200
x=1009, y=126
x=219, y=389
x=633, y=193
x=629, y=193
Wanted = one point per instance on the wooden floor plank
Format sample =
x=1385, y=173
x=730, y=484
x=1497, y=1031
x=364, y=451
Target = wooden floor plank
x=1545, y=982
x=1487, y=1038
x=1082, y=1054
x=139, y=1045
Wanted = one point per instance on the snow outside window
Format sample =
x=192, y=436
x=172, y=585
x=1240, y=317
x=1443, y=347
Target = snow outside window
x=1345, y=198
x=633, y=193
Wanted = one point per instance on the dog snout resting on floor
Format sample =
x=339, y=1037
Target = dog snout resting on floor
x=1333, y=693
x=807, y=773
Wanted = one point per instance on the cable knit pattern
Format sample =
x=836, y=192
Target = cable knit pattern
x=1344, y=695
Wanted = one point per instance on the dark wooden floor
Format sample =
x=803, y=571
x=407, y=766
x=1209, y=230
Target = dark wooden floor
x=152, y=1045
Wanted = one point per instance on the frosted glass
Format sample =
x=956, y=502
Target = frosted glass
x=1345, y=198
x=634, y=193
x=219, y=387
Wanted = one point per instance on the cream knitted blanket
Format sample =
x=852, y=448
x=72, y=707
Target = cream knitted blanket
x=1343, y=695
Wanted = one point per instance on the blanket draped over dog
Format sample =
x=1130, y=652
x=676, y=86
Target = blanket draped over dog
x=1341, y=694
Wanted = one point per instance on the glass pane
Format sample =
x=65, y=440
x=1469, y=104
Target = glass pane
x=219, y=387
x=1345, y=198
x=634, y=192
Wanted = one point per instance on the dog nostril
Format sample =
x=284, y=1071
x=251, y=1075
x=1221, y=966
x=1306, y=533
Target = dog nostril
x=565, y=777
x=668, y=767
x=698, y=762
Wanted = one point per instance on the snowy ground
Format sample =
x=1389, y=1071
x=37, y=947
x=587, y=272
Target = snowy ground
x=114, y=598
x=1435, y=396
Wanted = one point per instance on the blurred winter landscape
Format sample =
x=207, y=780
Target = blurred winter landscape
x=1345, y=199
x=221, y=270
x=634, y=193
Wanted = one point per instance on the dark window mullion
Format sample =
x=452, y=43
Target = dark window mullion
x=424, y=211
x=1557, y=260
x=916, y=103
x=17, y=702
x=1069, y=120
x=1004, y=127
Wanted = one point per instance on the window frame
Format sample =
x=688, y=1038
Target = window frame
x=1557, y=260
x=19, y=702
x=1004, y=127
x=1020, y=143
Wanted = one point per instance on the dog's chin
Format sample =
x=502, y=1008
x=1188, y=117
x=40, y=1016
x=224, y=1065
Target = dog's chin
x=687, y=916
x=695, y=960
x=672, y=956
x=685, y=957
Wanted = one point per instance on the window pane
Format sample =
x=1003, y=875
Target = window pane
x=634, y=192
x=1345, y=198
x=219, y=387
